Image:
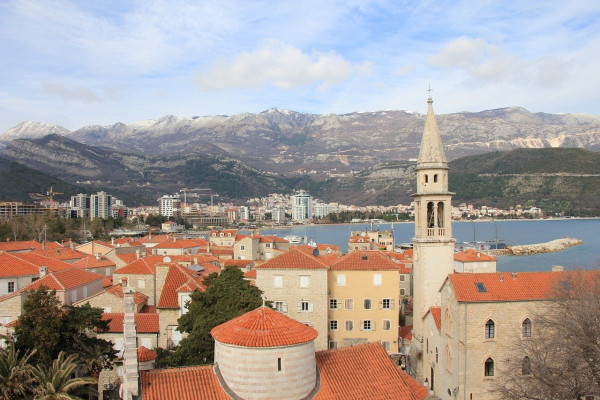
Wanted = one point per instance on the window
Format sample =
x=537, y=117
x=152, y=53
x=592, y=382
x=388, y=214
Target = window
x=489, y=367
x=242, y=248
x=387, y=325
x=526, y=366
x=11, y=287
x=278, y=281
x=141, y=283
x=304, y=281
x=349, y=304
x=279, y=364
x=435, y=178
x=402, y=292
x=490, y=329
x=349, y=325
x=367, y=325
x=305, y=306
x=527, y=328
x=333, y=345
x=426, y=178
x=341, y=280
x=386, y=345
x=402, y=277
x=333, y=304
x=376, y=279
x=333, y=325
x=268, y=245
x=387, y=304
x=367, y=304
x=480, y=287
x=436, y=355
x=280, y=306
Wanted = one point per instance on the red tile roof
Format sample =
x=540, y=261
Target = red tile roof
x=20, y=246
x=62, y=254
x=365, y=260
x=405, y=332
x=325, y=247
x=65, y=279
x=221, y=250
x=263, y=327
x=117, y=290
x=408, y=254
x=293, y=259
x=182, y=244
x=145, y=354
x=27, y=264
x=250, y=274
x=143, y=266
x=179, y=279
x=146, y=309
x=237, y=263
x=231, y=232
x=472, y=255
x=272, y=239
x=154, y=239
x=506, y=286
x=128, y=258
x=436, y=312
x=144, y=323
x=89, y=262
x=107, y=281
x=363, y=372
x=187, y=383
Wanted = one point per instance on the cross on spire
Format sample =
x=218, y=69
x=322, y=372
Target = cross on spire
x=429, y=90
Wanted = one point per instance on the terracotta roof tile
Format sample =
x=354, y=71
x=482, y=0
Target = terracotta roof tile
x=117, y=290
x=27, y=264
x=146, y=309
x=250, y=274
x=186, y=383
x=293, y=259
x=90, y=261
x=325, y=247
x=221, y=250
x=20, y=246
x=65, y=279
x=405, y=332
x=365, y=260
x=361, y=372
x=182, y=244
x=143, y=266
x=62, y=254
x=107, y=281
x=506, y=286
x=263, y=327
x=471, y=255
x=436, y=312
x=179, y=279
x=144, y=323
x=128, y=258
x=145, y=354
x=154, y=239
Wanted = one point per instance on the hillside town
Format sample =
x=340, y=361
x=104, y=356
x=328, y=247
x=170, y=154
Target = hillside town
x=379, y=321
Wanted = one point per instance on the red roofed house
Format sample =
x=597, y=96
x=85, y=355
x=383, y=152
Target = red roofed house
x=284, y=366
x=472, y=260
x=181, y=247
x=18, y=270
x=296, y=283
x=19, y=246
x=222, y=238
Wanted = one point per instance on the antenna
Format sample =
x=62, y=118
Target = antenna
x=429, y=90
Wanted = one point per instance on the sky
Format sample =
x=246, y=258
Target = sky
x=78, y=63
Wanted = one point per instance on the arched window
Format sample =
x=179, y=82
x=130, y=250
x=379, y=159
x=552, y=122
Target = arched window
x=448, y=358
x=430, y=215
x=526, y=366
x=490, y=329
x=426, y=178
x=527, y=328
x=440, y=215
x=489, y=367
x=435, y=178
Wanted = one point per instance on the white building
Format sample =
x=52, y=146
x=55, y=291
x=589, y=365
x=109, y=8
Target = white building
x=169, y=205
x=79, y=206
x=278, y=214
x=321, y=210
x=100, y=205
x=302, y=207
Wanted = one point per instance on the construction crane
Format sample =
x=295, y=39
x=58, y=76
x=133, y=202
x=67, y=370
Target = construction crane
x=51, y=194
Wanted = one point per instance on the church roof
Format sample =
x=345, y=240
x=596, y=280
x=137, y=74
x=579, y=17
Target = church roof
x=263, y=327
x=432, y=153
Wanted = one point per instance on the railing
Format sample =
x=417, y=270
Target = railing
x=436, y=231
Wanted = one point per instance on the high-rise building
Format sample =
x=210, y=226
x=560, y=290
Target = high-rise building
x=100, y=205
x=80, y=206
x=302, y=209
x=169, y=205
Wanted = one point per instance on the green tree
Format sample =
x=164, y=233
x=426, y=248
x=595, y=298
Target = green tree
x=97, y=227
x=227, y=296
x=54, y=382
x=15, y=372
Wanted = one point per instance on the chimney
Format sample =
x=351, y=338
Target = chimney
x=112, y=241
x=43, y=271
x=478, y=255
x=501, y=278
x=98, y=256
x=129, y=387
x=138, y=254
x=514, y=275
x=124, y=282
x=195, y=260
x=150, y=235
x=557, y=268
x=73, y=245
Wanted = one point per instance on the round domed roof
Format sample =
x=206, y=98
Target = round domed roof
x=263, y=327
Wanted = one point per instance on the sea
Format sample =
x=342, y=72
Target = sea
x=512, y=232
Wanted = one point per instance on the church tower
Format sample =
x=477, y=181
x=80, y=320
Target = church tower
x=433, y=244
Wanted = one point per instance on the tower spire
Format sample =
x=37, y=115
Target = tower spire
x=431, y=154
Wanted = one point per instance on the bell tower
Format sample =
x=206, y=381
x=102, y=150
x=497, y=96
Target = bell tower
x=433, y=244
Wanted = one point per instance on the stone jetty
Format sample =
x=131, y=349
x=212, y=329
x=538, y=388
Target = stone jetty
x=539, y=248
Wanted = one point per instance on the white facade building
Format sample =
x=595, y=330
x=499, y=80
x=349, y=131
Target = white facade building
x=302, y=207
x=169, y=205
x=100, y=205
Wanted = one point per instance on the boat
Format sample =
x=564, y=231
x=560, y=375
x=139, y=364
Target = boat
x=293, y=239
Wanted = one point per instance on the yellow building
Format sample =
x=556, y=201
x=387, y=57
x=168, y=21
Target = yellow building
x=363, y=300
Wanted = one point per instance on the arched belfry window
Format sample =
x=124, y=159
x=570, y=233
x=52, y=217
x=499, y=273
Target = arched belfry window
x=440, y=214
x=426, y=178
x=435, y=178
x=430, y=215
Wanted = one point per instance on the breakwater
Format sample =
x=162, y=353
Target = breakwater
x=539, y=248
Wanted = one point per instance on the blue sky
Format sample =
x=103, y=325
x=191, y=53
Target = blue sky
x=76, y=63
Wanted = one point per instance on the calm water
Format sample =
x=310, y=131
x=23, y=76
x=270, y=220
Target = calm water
x=586, y=255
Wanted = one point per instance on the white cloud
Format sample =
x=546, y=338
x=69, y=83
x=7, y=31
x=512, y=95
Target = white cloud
x=71, y=93
x=282, y=65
